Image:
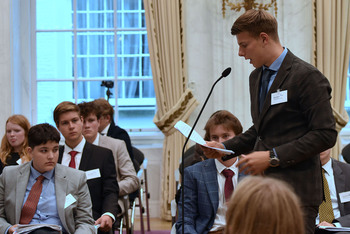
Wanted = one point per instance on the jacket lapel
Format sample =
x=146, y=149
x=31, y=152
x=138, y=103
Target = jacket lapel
x=61, y=188
x=211, y=182
x=339, y=180
x=281, y=75
x=85, y=157
x=21, y=186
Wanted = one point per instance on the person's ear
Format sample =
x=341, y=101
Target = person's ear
x=30, y=150
x=264, y=37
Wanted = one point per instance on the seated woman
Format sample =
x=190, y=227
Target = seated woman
x=15, y=142
x=265, y=206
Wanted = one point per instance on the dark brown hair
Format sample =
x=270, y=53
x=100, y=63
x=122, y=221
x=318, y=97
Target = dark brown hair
x=87, y=108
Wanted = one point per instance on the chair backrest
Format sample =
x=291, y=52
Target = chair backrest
x=138, y=155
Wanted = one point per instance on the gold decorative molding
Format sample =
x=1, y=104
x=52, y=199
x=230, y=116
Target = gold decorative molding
x=247, y=5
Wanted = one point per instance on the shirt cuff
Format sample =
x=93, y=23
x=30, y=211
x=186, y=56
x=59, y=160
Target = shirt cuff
x=275, y=153
x=110, y=215
x=7, y=230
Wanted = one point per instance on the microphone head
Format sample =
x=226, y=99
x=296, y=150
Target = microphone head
x=226, y=72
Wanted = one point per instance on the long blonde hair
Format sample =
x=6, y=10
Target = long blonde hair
x=6, y=148
x=265, y=206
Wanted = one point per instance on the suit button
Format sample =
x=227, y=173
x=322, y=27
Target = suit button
x=259, y=138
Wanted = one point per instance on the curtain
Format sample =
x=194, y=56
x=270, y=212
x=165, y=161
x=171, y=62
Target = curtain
x=165, y=33
x=331, y=53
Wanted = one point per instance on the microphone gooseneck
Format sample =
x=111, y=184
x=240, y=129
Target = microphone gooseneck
x=225, y=73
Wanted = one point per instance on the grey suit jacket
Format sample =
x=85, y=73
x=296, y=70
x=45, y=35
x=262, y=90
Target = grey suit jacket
x=126, y=174
x=201, y=198
x=76, y=218
x=298, y=129
x=341, y=172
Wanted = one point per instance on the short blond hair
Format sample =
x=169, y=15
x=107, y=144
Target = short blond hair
x=264, y=205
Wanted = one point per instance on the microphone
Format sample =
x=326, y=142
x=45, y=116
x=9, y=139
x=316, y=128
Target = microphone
x=225, y=73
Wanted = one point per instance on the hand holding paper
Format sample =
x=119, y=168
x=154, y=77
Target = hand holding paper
x=185, y=130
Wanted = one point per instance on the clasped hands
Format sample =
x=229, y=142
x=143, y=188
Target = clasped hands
x=254, y=163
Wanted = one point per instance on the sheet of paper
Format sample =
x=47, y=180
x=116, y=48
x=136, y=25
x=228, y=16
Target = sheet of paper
x=335, y=229
x=185, y=130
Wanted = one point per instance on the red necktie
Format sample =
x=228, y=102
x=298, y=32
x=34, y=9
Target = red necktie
x=72, y=159
x=29, y=207
x=228, y=183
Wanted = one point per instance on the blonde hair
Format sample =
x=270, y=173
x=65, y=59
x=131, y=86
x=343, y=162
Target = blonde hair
x=265, y=206
x=6, y=148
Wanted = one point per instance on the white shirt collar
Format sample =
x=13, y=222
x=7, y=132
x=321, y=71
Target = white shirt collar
x=328, y=166
x=220, y=167
x=97, y=139
x=79, y=148
x=105, y=130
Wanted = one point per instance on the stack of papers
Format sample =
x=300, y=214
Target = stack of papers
x=28, y=228
x=185, y=130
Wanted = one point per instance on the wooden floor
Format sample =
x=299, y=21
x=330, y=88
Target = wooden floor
x=155, y=224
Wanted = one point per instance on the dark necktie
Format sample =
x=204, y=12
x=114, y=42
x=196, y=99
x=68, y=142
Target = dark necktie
x=72, y=159
x=29, y=207
x=326, y=210
x=267, y=73
x=228, y=183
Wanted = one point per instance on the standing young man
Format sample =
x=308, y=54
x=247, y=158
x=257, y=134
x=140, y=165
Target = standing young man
x=97, y=162
x=291, y=113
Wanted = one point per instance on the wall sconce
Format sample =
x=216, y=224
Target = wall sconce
x=248, y=4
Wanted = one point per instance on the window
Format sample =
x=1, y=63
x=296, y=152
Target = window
x=86, y=49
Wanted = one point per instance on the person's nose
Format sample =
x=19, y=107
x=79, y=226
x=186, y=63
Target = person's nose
x=71, y=125
x=240, y=52
x=50, y=155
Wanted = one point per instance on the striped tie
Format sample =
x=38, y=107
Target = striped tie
x=29, y=208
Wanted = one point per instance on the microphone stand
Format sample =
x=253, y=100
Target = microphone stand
x=225, y=73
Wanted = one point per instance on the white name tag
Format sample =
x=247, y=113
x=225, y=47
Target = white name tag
x=69, y=200
x=92, y=174
x=344, y=197
x=278, y=97
x=19, y=161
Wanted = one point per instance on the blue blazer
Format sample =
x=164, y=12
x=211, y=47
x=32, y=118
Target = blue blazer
x=201, y=198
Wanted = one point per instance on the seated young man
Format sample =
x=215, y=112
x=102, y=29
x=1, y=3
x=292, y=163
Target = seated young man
x=97, y=162
x=335, y=209
x=126, y=175
x=210, y=183
x=109, y=128
x=64, y=195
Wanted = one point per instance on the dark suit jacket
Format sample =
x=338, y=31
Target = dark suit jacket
x=201, y=198
x=341, y=172
x=298, y=129
x=117, y=132
x=104, y=190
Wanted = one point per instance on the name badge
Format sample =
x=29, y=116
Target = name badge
x=344, y=197
x=19, y=161
x=92, y=174
x=69, y=200
x=279, y=97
